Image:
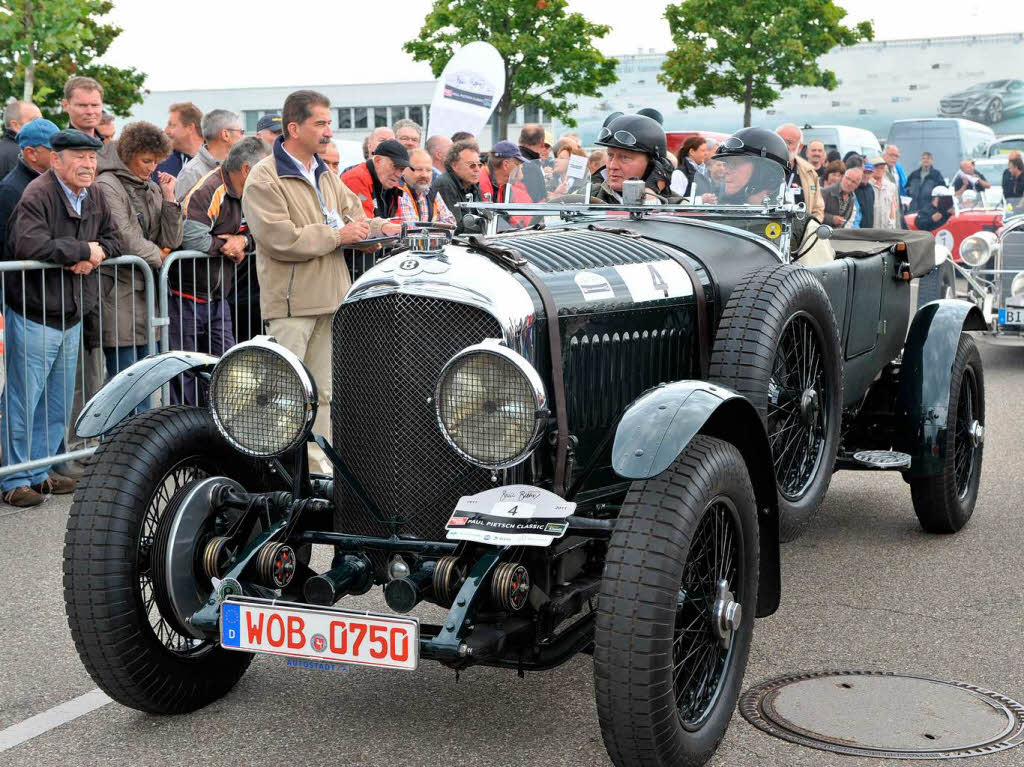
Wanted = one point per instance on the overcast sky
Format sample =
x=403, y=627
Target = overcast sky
x=311, y=42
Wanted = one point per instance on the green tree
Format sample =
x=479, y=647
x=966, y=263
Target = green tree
x=44, y=42
x=750, y=52
x=549, y=56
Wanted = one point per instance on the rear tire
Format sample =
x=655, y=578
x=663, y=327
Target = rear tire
x=945, y=503
x=777, y=322
x=666, y=688
x=130, y=649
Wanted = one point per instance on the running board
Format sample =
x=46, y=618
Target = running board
x=874, y=460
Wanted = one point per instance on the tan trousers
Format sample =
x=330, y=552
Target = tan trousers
x=309, y=338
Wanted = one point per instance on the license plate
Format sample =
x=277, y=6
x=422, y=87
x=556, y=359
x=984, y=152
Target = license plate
x=1011, y=316
x=343, y=636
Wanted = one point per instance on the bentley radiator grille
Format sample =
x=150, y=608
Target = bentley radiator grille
x=388, y=354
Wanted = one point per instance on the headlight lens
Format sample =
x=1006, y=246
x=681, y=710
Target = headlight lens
x=491, y=405
x=263, y=399
x=1017, y=286
x=977, y=249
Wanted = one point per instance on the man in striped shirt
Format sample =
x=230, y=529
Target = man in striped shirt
x=418, y=201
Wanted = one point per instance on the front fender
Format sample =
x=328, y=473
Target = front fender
x=928, y=357
x=659, y=425
x=127, y=390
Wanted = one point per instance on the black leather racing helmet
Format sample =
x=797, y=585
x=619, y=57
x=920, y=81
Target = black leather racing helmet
x=636, y=133
x=759, y=142
x=653, y=113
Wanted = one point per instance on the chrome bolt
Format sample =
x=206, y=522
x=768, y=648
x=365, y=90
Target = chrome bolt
x=977, y=432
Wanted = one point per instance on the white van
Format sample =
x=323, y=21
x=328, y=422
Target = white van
x=949, y=139
x=843, y=139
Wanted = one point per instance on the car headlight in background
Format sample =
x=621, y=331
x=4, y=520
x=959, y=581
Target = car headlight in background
x=263, y=398
x=977, y=249
x=491, y=405
x=1017, y=286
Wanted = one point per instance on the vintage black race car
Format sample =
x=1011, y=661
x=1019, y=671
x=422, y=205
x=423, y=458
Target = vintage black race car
x=587, y=437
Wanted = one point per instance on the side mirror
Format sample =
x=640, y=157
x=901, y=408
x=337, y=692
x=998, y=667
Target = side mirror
x=824, y=232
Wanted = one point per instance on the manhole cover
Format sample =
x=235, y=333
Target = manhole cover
x=885, y=715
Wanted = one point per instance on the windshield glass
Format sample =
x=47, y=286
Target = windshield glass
x=745, y=180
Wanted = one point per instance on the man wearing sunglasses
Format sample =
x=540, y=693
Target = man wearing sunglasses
x=636, y=149
x=461, y=179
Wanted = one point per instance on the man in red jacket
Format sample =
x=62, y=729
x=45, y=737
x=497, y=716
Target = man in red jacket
x=376, y=180
x=502, y=181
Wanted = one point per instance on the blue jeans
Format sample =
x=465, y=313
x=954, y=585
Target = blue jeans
x=120, y=357
x=40, y=389
x=197, y=327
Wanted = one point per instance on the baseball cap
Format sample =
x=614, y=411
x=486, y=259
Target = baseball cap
x=394, y=151
x=549, y=138
x=868, y=167
x=270, y=121
x=507, y=149
x=37, y=133
x=877, y=160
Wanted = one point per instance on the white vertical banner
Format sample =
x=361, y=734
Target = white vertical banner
x=467, y=91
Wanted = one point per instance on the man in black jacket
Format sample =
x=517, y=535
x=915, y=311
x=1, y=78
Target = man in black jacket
x=921, y=182
x=937, y=212
x=461, y=180
x=34, y=140
x=58, y=220
x=531, y=142
x=17, y=115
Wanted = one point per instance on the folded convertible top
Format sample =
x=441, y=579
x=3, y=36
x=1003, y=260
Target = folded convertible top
x=867, y=242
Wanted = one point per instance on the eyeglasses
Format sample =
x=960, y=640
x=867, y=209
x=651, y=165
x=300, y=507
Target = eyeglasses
x=622, y=136
x=235, y=130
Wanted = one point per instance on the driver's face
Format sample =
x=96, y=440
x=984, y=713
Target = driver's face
x=737, y=174
x=624, y=164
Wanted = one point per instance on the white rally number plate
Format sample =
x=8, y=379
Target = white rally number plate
x=343, y=636
x=1011, y=316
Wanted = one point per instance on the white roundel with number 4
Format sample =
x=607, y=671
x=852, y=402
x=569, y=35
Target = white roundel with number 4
x=655, y=279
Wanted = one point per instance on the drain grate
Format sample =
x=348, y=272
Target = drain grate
x=885, y=715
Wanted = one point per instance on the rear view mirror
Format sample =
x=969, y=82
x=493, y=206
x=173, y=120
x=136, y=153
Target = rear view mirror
x=824, y=232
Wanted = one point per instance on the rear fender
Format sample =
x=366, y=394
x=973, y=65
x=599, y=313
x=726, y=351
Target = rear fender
x=659, y=425
x=925, y=374
x=129, y=388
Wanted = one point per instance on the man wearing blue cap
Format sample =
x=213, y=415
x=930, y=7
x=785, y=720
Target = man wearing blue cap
x=33, y=159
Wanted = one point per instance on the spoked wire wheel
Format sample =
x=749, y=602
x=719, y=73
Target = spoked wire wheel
x=707, y=612
x=796, y=419
x=966, y=443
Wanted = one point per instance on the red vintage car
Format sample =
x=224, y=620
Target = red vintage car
x=676, y=138
x=963, y=223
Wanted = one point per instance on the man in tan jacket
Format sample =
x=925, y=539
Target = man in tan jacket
x=301, y=216
x=805, y=175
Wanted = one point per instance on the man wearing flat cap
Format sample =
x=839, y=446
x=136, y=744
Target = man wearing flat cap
x=375, y=181
x=58, y=220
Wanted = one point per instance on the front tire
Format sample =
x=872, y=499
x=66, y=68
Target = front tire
x=667, y=673
x=133, y=651
x=945, y=503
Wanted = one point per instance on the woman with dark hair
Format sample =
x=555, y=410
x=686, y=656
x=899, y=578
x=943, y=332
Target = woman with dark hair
x=692, y=175
x=148, y=223
x=834, y=172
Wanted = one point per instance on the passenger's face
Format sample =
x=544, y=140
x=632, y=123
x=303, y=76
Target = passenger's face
x=737, y=175
x=624, y=164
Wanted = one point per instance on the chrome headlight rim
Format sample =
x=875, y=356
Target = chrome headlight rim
x=524, y=368
x=986, y=238
x=309, y=390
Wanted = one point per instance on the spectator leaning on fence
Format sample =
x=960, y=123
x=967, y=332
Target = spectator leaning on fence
x=839, y=198
x=17, y=114
x=222, y=129
x=301, y=216
x=200, y=317
x=419, y=202
x=184, y=129
x=59, y=220
x=34, y=140
x=375, y=182
x=462, y=179
x=148, y=224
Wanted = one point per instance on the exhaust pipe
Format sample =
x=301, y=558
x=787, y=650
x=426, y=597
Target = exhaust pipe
x=354, y=575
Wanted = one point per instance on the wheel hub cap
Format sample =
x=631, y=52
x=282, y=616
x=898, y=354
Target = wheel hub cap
x=727, y=614
x=977, y=432
x=809, y=405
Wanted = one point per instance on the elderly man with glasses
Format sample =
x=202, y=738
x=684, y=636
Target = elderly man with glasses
x=222, y=129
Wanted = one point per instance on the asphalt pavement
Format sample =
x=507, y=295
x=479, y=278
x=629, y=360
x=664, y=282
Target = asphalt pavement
x=863, y=588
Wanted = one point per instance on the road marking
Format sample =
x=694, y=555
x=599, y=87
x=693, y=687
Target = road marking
x=36, y=725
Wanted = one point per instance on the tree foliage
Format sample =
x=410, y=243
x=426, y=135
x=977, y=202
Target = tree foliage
x=750, y=52
x=44, y=42
x=548, y=53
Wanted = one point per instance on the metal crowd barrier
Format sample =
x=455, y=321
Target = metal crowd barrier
x=98, y=353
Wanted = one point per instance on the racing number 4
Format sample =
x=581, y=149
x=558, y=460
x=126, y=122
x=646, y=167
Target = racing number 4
x=658, y=280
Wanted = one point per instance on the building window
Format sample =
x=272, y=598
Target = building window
x=416, y=114
x=531, y=114
x=359, y=121
x=252, y=117
x=397, y=113
x=344, y=118
x=380, y=117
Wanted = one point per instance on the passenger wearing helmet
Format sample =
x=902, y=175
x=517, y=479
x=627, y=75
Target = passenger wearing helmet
x=636, y=149
x=938, y=213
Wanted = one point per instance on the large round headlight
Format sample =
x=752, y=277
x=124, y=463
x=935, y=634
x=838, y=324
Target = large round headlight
x=263, y=398
x=1017, y=286
x=491, y=405
x=978, y=248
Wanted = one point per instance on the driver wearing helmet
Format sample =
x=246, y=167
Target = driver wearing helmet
x=938, y=213
x=636, y=149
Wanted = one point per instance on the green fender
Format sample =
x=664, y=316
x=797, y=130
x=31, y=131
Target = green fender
x=659, y=425
x=925, y=375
